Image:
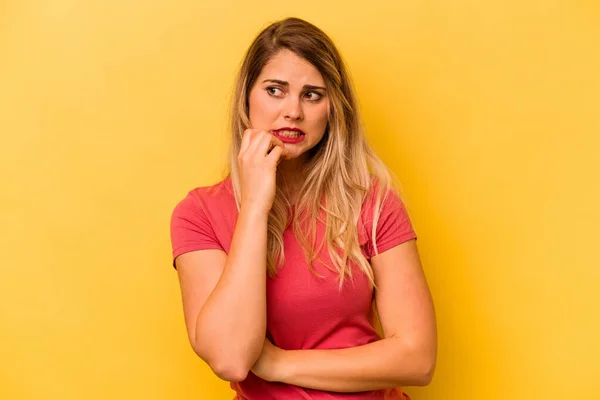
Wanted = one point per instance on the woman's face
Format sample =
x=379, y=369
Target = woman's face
x=290, y=100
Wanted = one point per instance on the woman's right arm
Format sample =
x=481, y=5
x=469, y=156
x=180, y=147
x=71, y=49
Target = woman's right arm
x=224, y=295
x=224, y=299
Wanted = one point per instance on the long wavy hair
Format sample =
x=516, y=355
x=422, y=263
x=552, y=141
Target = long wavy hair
x=342, y=168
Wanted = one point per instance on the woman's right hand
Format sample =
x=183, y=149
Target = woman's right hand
x=260, y=153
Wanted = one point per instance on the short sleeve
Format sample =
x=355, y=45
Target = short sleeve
x=191, y=229
x=393, y=227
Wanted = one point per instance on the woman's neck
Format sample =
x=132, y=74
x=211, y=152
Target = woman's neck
x=291, y=172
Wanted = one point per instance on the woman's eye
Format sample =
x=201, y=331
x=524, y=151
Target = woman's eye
x=313, y=96
x=274, y=91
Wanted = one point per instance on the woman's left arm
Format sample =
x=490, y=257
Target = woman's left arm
x=405, y=356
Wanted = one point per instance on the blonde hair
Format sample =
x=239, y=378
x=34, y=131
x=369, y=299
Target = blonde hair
x=342, y=168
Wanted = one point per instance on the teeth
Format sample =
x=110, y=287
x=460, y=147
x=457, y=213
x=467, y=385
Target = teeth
x=290, y=134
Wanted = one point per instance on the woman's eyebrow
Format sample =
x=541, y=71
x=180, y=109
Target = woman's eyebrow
x=284, y=83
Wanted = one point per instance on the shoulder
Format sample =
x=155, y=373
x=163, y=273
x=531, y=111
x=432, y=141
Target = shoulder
x=208, y=198
x=384, y=220
x=218, y=192
x=203, y=219
x=380, y=198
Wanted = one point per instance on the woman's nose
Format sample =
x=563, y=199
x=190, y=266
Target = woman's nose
x=293, y=109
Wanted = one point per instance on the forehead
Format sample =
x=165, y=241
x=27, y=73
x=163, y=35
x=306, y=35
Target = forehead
x=287, y=66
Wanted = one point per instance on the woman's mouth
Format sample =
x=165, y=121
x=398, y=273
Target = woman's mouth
x=287, y=135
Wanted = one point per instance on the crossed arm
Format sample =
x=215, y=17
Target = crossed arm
x=211, y=282
x=405, y=356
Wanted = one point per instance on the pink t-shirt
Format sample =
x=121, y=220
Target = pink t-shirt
x=303, y=311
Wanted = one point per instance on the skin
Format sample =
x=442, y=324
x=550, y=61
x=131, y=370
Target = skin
x=290, y=92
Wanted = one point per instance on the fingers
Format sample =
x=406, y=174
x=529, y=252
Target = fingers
x=260, y=142
x=246, y=139
x=274, y=157
x=274, y=143
x=277, y=142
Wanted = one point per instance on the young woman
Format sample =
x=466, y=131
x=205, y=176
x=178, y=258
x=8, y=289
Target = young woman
x=285, y=264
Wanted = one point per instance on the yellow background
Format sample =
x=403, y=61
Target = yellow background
x=110, y=111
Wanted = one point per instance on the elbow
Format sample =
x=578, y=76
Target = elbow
x=418, y=376
x=226, y=368
x=422, y=366
x=228, y=371
x=423, y=373
x=424, y=376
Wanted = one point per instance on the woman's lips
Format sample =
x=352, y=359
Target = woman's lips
x=281, y=135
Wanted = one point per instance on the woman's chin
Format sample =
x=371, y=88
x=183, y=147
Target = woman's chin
x=290, y=154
